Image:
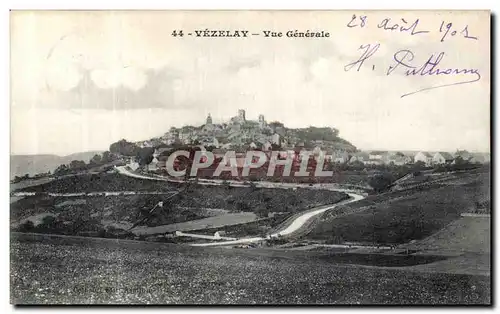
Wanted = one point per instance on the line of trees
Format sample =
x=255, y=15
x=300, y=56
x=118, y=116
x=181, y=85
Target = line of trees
x=76, y=166
x=124, y=148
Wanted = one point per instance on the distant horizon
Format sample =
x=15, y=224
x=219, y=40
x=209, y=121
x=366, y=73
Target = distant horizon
x=361, y=149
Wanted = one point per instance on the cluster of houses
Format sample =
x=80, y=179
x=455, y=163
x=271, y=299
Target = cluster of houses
x=427, y=158
x=333, y=156
x=239, y=132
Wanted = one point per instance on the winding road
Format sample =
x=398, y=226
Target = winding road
x=293, y=227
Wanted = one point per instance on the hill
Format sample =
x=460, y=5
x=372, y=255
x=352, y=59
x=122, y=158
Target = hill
x=34, y=164
x=239, y=132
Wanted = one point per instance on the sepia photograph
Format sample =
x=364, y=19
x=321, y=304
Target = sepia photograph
x=250, y=157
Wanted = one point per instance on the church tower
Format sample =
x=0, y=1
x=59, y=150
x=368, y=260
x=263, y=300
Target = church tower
x=241, y=115
x=209, y=120
x=262, y=121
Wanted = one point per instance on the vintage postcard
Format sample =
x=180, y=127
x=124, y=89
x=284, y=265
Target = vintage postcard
x=250, y=157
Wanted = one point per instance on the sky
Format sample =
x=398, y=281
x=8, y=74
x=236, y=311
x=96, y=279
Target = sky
x=83, y=80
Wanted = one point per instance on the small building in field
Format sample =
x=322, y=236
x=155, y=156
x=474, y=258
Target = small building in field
x=396, y=160
x=339, y=157
x=480, y=158
x=275, y=139
x=424, y=157
x=377, y=155
x=153, y=165
x=463, y=155
x=133, y=165
x=267, y=146
x=441, y=158
x=360, y=157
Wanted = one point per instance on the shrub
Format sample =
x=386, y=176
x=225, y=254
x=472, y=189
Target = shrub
x=242, y=206
x=381, y=181
x=226, y=185
x=253, y=187
x=26, y=226
x=262, y=211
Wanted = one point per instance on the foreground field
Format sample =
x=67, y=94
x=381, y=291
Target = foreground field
x=67, y=270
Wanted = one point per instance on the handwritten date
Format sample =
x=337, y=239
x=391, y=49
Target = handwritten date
x=447, y=29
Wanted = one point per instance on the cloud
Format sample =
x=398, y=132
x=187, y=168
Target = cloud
x=237, y=65
x=119, y=90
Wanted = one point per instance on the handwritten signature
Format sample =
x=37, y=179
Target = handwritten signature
x=404, y=62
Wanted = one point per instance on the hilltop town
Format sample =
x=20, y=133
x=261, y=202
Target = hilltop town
x=240, y=134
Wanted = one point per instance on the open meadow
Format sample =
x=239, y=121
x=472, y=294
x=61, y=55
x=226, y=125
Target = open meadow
x=403, y=216
x=55, y=270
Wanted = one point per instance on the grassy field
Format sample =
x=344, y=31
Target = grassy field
x=205, y=196
x=29, y=183
x=94, y=209
x=467, y=234
x=98, y=183
x=402, y=216
x=48, y=270
x=221, y=205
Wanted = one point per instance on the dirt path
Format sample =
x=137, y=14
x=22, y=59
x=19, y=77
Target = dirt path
x=100, y=193
x=293, y=227
x=199, y=224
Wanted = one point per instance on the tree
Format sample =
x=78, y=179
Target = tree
x=27, y=226
x=107, y=157
x=124, y=148
x=381, y=181
x=48, y=222
x=161, y=145
x=253, y=187
x=276, y=124
x=242, y=206
x=459, y=161
x=314, y=133
x=262, y=211
x=96, y=160
x=267, y=132
x=419, y=166
x=77, y=165
x=357, y=165
x=145, y=156
x=226, y=185
x=275, y=147
x=61, y=170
